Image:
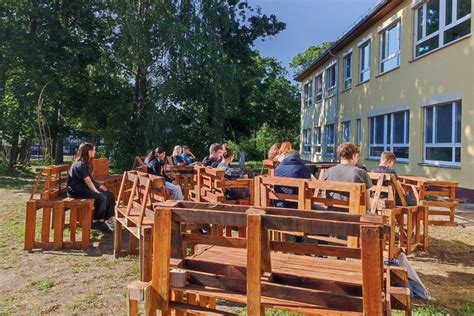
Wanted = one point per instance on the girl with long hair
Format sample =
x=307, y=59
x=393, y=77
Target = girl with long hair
x=81, y=185
x=156, y=163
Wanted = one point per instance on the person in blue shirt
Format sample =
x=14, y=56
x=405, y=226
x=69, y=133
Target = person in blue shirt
x=177, y=159
x=155, y=166
x=188, y=156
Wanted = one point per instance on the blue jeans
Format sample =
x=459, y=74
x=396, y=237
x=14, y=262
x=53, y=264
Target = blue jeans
x=175, y=191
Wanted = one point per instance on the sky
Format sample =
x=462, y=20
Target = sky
x=308, y=22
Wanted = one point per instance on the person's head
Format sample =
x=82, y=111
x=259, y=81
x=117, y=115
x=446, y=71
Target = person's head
x=215, y=151
x=177, y=151
x=285, y=147
x=228, y=155
x=160, y=153
x=224, y=147
x=186, y=149
x=349, y=153
x=273, y=152
x=85, y=152
x=388, y=159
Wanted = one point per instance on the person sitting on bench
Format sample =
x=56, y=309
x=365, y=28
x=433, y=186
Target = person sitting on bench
x=232, y=174
x=387, y=160
x=81, y=185
x=285, y=147
x=290, y=167
x=188, y=156
x=347, y=170
x=215, y=156
x=177, y=159
x=273, y=152
x=155, y=166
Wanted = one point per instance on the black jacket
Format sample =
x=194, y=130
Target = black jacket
x=291, y=167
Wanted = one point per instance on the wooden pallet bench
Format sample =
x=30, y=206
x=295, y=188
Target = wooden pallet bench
x=52, y=204
x=134, y=213
x=438, y=196
x=139, y=164
x=261, y=273
x=409, y=223
x=210, y=186
x=269, y=167
x=101, y=174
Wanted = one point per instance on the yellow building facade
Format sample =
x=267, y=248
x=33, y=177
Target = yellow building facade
x=402, y=79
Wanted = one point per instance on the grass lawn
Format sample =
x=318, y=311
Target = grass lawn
x=93, y=282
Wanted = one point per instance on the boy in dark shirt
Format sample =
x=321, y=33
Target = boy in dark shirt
x=387, y=160
x=215, y=156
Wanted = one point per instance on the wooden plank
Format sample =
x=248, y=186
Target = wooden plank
x=372, y=269
x=30, y=225
x=146, y=248
x=215, y=217
x=313, y=249
x=221, y=241
x=160, y=283
x=254, y=263
x=58, y=223
x=88, y=209
x=198, y=310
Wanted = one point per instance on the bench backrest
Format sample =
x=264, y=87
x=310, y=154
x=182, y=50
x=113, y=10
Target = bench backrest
x=53, y=182
x=100, y=168
x=269, y=167
x=210, y=186
x=139, y=164
x=169, y=238
x=387, y=185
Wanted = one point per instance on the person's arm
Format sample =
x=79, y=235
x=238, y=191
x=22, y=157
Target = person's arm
x=90, y=184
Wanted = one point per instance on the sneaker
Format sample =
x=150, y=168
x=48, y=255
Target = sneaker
x=111, y=223
x=103, y=227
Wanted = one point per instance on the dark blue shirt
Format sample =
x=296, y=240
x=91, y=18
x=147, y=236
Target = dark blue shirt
x=291, y=167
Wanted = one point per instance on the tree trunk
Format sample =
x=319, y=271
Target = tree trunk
x=25, y=148
x=58, y=152
x=14, y=150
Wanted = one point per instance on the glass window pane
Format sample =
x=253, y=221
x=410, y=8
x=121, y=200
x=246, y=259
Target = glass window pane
x=376, y=151
x=372, y=130
x=427, y=45
x=399, y=128
x=383, y=44
x=457, y=154
x=380, y=126
x=464, y=8
x=439, y=153
x=367, y=56
x=392, y=40
x=458, y=122
x=432, y=17
x=457, y=31
x=407, y=114
x=401, y=152
x=444, y=123
x=359, y=127
x=419, y=13
x=348, y=84
x=429, y=126
x=449, y=11
x=365, y=76
x=389, y=129
x=389, y=64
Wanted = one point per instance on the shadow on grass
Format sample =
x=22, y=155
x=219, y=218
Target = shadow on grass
x=452, y=252
x=16, y=179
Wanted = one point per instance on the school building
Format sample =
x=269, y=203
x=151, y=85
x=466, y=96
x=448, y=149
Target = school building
x=401, y=79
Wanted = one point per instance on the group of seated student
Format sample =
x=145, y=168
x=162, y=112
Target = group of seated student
x=156, y=162
x=182, y=156
x=216, y=152
x=278, y=151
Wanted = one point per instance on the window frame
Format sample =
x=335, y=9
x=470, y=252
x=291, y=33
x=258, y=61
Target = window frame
x=307, y=140
x=331, y=90
x=348, y=56
x=383, y=42
x=308, y=94
x=332, y=145
x=317, y=143
x=318, y=84
x=443, y=27
x=359, y=131
x=389, y=146
x=453, y=144
x=346, y=125
x=362, y=45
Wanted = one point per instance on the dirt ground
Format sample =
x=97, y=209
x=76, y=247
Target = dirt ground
x=94, y=282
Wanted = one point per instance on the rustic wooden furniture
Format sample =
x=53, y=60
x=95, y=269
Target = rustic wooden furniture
x=139, y=164
x=184, y=177
x=210, y=186
x=53, y=203
x=133, y=210
x=101, y=174
x=267, y=274
x=269, y=167
x=438, y=196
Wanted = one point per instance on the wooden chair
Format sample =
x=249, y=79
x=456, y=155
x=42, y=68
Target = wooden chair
x=101, y=174
x=133, y=212
x=432, y=193
x=139, y=164
x=53, y=204
x=261, y=273
x=269, y=167
x=210, y=186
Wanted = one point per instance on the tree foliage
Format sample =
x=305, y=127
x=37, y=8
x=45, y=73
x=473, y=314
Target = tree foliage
x=305, y=59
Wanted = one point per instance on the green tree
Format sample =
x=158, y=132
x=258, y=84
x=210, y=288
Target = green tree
x=305, y=59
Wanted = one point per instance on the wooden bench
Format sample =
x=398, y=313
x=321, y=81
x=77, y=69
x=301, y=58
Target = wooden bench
x=101, y=174
x=210, y=186
x=53, y=204
x=269, y=167
x=262, y=273
x=133, y=212
x=408, y=223
x=139, y=164
x=438, y=196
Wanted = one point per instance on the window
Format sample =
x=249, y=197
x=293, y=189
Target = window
x=364, y=62
x=307, y=140
x=443, y=133
x=347, y=71
x=346, y=131
x=331, y=81
x=330, y=138
x=359, y=130
x=390, y=48
x=317, y=140
x=319, y=88
x=389, y=132
x=440, y=22
x=308, y=94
